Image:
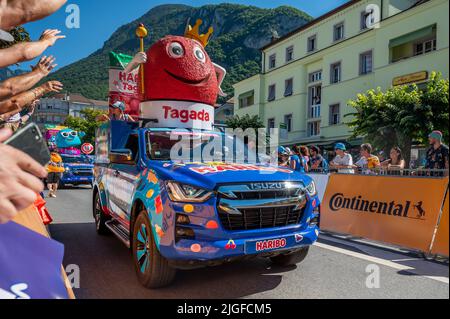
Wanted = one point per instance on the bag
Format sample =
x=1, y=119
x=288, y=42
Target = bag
x=123, y=86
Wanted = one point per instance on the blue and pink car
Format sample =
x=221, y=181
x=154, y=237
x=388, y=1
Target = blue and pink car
x=176, y=214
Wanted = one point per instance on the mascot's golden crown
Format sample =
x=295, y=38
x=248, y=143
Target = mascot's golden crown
x=194, y=33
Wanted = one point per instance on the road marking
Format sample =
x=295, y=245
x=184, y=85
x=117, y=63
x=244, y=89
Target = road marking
x=380, y=261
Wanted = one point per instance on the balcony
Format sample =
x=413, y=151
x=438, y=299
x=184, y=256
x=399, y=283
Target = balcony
x=314, y=111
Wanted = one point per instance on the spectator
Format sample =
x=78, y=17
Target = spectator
x=54, y=168
x=395, y=163
x=116, y=113
x=304, y=151
x=19, y=179
x=318, y=163
x=368, y=162
x=343, y=161
x=16, y=121
x=17, y=12
x=437, y=154
x=24, y=82
x=283, y=157
x=298, y=162
x=17, y=103
x=26, y=51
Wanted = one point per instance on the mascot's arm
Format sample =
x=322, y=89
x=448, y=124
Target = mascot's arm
x=221, y=72
x=138, y=59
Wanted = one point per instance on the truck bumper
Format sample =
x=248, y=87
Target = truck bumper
x=198, y=253
x=77, y=180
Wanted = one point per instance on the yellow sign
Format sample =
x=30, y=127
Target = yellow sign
x=410, y=78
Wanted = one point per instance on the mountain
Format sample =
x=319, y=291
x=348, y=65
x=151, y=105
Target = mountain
x=239, y=32
x=7, y=73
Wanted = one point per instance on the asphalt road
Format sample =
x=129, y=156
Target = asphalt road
x=335, y=267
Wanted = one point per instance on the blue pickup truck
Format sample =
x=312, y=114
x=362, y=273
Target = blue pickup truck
x=177, y=214
x=79, y=170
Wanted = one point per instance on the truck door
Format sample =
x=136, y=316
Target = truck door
x=122, y=182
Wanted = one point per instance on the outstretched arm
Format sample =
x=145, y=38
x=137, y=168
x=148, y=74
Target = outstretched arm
x=17, y=12
x=26, y=51
x=21, y=83
x=138, y=59
x=19, y=102
x=221, y=72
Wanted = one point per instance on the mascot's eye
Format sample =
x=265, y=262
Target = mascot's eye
x=65, y=134
x=74, y=133
x=176, y=50
x=199, y=54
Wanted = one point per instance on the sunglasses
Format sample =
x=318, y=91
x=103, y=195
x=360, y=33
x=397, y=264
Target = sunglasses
x=67, y=134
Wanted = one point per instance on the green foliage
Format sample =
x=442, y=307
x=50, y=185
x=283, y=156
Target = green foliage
x=88, y=124
x=19, y=34
x=245, y=122
x=239, y=32
x=402, y=115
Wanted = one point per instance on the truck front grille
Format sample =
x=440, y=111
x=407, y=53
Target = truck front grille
x=83, y=173
x=240, y=207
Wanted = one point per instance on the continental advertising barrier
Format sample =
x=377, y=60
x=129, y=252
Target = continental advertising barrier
x=321, y=181
x=440, y=245
x=401, y=211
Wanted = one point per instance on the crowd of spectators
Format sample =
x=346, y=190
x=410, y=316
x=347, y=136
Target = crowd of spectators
x=20, y=175
x=309, y=159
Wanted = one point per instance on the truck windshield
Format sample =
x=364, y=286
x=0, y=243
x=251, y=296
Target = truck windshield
x=198, y=146
x=76, y=159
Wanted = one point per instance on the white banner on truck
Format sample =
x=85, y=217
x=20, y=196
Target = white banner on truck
x=179, y=114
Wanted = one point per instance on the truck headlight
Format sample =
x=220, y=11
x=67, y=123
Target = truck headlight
x=311, y=189
x=187, y=193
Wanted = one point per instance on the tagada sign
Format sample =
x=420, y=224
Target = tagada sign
x=396, y=210
x=178, y=114
x=410, y=78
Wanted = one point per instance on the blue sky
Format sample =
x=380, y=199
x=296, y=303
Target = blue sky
x=100, y=18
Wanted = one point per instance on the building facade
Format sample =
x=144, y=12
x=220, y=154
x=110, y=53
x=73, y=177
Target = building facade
x=309, y=75
x=56, y=109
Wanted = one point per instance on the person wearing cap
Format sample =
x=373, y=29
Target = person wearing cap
x=437, y=154
x=283, y=156
x=343, y=161
x=116, y=113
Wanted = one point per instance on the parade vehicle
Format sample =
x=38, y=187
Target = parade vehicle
x=78, y=164
x=188, y=212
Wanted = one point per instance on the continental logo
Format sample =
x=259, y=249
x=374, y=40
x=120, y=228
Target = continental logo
x=404, y=209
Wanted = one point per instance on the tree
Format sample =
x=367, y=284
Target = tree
x=401, y=115
x=87, y=124
x=245, y=122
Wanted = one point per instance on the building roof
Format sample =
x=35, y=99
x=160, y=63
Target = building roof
x=311, y=23
x=79, y=98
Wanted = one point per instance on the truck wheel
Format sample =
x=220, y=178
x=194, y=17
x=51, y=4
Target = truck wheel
x=290, y=259
x=99, y=216
x=152, y=269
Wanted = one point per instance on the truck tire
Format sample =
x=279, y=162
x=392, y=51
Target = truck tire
x=290, y=259
x=99, y=216
x=151, y=267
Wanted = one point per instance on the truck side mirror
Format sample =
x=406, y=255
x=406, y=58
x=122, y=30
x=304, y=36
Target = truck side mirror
x=122, y=156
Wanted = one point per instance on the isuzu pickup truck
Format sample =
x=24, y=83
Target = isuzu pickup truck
x=176, y=214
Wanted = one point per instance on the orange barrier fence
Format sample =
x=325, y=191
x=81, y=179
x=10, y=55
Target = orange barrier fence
x=441, y=241
x=397, y=210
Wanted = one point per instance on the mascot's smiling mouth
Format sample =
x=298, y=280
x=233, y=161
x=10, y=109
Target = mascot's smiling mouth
x=188, y=81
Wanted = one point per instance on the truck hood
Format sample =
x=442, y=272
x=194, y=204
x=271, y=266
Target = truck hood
x=210, y=175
